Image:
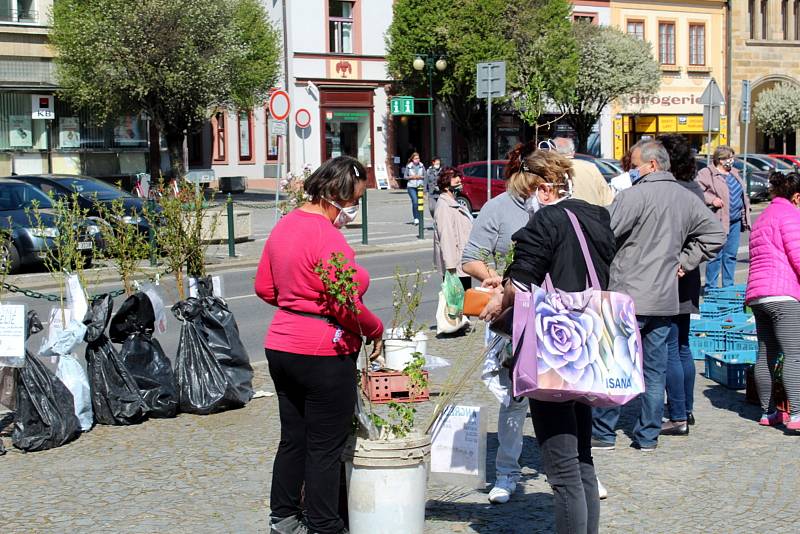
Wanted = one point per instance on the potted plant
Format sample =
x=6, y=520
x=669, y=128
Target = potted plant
x=387, y=464
x=405, y=337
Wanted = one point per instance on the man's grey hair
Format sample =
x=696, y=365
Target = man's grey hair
x=564, y=146
x=654, y=150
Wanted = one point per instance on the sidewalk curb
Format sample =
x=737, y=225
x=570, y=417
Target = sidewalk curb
x=106, y=275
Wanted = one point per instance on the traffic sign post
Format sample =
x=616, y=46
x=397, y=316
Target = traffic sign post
x=712, y=100
x=491, y=81
x=279, y=107
x=746, y=121
x=302, y=118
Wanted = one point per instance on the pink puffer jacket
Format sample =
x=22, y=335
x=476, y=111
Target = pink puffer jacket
x=775, y=252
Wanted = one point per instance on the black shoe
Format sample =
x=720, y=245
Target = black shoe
x=599, y=445
x=645, y=448
x=675, y=428
x=690, y=418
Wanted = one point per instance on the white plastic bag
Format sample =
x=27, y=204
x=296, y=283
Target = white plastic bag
x=74, y=377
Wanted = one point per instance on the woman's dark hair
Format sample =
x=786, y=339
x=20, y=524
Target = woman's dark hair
x=784, y=185
x=681, y=160
x=516, y=157
x=335, y=179
x=445, y=176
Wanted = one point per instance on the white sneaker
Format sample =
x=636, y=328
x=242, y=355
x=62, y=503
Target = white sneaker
x=601, y=489
x=416, y=221
x=502, y=490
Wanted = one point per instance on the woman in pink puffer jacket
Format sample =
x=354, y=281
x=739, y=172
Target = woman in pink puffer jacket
x=773, y=292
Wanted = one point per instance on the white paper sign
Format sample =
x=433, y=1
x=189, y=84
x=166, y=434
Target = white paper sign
x=69, y=133
x=12, y=335
x=20, y=133
x=458, y=446
x=216, y=283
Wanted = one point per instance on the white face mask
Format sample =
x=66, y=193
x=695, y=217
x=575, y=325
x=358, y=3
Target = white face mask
x=532, y=203
x=345, y=216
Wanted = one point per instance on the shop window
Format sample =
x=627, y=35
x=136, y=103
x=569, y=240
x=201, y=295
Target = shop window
x=340, y=26
x=218, y=124
x=348, y=133
x=635, y=28
x=764, y=19
x=245, y=136
x=666, y=43
x=697, y=44
x=18, y=131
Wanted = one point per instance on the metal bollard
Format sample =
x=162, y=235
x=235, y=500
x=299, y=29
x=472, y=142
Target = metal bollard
x=421, y=210
x=364, y=230
x=231, y=233
x=151, y=233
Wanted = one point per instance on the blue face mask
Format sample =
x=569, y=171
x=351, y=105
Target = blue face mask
x=634, y=174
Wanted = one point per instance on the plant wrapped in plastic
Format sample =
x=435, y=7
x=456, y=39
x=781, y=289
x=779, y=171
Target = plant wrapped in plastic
x=115, y=394
x=212, y=368
x=133, y=326
x=45, y=410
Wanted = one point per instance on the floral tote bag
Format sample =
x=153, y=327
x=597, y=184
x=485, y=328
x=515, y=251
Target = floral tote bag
x=577, y=345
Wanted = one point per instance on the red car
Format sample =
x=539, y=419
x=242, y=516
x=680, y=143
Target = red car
x=791, y=160
x=473, y=195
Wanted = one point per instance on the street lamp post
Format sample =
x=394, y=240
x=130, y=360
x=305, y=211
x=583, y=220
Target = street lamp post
x=421, y=61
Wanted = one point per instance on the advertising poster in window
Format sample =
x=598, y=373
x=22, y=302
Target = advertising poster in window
x=127, y=132
x=69, y=133
x=19, y=131
x=244, y=136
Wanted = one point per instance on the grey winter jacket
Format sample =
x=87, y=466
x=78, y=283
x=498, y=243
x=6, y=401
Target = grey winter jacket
x=659, y=226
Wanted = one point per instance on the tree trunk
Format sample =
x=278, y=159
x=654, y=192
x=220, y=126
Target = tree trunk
x=175, y=139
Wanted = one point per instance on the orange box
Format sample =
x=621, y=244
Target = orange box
x=387, y=386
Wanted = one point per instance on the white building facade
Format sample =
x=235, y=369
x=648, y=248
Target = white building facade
x=335, y=73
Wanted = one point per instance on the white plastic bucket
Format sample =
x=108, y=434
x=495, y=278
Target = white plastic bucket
x=386, y=485
x=399, y=352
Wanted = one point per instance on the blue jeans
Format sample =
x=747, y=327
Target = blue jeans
x=654, y=332
x=726, y=259
x=412, y=193
x=680, y=369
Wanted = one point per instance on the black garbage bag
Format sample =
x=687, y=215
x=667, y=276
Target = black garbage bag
x=45, y=410
x=133, y=326
x=212, y=368
x=115, y=395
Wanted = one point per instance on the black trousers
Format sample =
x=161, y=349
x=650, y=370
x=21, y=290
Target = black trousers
x=564, y=433
x=316, y=399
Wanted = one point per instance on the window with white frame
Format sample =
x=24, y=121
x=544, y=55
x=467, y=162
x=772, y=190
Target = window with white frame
x=666, y=43
x=340, y=26
x=635, y=28
x=697, y=44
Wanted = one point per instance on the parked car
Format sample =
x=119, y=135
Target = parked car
x=794, y=161
x=614, y=164
x=766, y=163
x=93, y=195
x=759, y=180
x=608, y=171
x=28, y=240
x=473, y=194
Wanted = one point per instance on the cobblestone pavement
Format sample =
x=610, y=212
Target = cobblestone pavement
x=211, y=474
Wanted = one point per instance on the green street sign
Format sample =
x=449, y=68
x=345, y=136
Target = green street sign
x=402, y=105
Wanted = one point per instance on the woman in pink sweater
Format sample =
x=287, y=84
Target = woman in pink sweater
x=312, y=345
x=773, y=292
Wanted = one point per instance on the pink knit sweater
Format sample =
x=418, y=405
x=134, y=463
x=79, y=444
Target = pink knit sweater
x=775, y=252
x=286, y=278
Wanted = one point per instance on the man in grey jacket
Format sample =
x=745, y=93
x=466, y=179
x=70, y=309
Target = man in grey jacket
x=663, y=231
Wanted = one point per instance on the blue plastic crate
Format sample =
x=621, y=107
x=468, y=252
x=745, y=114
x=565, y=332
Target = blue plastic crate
x=699, y=344
x=729, y=368
x=742, y=338
x=713, y=310
x=736, y=320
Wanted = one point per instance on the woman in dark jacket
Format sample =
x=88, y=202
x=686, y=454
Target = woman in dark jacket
x=548, y=244
x=680, y=364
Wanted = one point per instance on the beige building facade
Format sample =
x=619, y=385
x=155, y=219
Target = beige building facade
x=765, y=49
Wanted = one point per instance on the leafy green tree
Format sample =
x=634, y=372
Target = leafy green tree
x=173, y=59
x=546, y=55
x=613, y=66
x=777, y=111
x=466, y=33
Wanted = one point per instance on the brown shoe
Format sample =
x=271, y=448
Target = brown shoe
x=674, y=428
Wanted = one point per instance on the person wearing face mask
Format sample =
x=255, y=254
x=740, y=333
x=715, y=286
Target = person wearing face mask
x=415, y=174
x=726, y=194
x=488, y=247
x=773, y=292
x=663, y=231
x=548, y=244
x=452, y=225
x=431, y=175
x=312, y=345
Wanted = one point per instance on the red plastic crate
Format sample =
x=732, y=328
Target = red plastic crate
x=387, y=386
